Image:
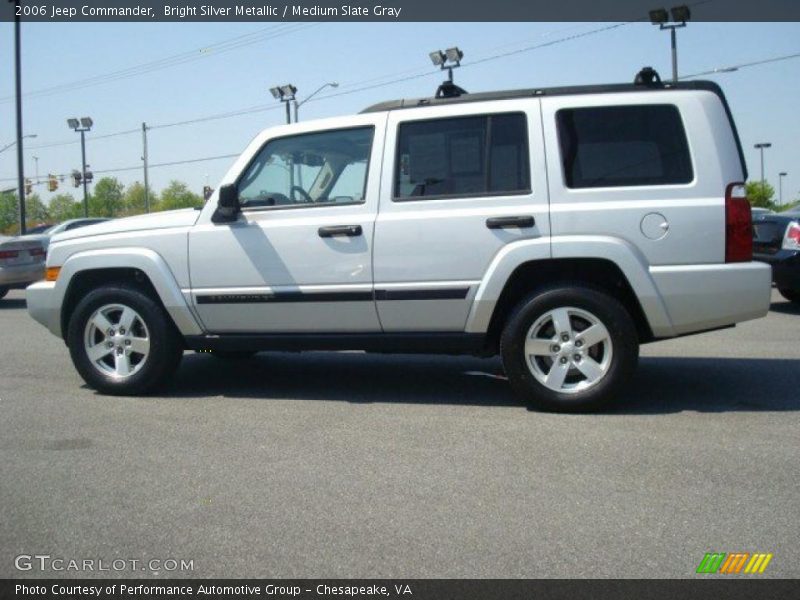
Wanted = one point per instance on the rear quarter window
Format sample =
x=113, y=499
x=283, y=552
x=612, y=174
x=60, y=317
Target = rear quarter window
x=613, y=146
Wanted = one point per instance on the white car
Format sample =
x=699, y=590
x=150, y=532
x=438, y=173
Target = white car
x=560, y=228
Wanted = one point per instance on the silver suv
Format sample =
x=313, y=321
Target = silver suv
x=560, y=228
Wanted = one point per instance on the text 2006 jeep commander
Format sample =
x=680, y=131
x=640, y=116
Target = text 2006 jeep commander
x=559, y=228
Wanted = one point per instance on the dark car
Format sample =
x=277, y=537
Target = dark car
x=776, y=240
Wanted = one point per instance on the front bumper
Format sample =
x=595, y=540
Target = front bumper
x=785, y=268
x=21, y=275
x=44, y=305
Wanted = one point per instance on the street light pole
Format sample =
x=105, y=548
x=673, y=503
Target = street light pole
x=679, y=15
x=144, y=159
x=781, y=175
x=286, y=94
x=83, y=170
x=760, y=146
x=18, y=84
x=82, y=126
x=297, y=104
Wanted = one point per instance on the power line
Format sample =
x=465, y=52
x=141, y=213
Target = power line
x=138, y=167
x=170, y=61
x=732, y=68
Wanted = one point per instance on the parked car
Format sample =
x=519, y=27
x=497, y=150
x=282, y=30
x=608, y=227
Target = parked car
x=757, y=211
x=46, y=234
x=559, y=228
x=21, y=263
x=777, y=242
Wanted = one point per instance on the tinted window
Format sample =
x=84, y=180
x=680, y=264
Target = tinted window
x=623, y=146
x=314, y=169
x=464, y=156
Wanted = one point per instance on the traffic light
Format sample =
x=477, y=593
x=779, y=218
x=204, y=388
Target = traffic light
x=52, y=183
x=76, y=178
x=88, y=176
x=28, y=187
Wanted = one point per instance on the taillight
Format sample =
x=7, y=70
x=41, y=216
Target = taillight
x=8, y=254
x=738, y=225
x=791, y=241
x=37, y=252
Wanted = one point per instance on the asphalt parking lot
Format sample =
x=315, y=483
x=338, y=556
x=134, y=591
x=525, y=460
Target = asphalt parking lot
x=353, y=465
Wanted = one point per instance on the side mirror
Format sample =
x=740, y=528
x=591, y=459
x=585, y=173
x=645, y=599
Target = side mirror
x=228, y=206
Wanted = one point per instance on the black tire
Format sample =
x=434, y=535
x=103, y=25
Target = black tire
x=165, y=347
x=790, y=295
x=3, y=291
x=623, y=350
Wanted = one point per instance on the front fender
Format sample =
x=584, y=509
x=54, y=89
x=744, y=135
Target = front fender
x=45, y=299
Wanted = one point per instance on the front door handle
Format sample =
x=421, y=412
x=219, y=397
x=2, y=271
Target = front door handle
x=349, y=230
x=523, y=221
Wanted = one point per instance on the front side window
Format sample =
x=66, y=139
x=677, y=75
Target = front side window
x=312, y=169
x=464, y=156
x=615, y=146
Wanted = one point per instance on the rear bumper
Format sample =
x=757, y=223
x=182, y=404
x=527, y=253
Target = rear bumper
x=43, y=305
x=702, y=297
x=785, y=268
x=21, y=275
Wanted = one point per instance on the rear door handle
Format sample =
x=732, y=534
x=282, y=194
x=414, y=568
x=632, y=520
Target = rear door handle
x=349, y=230
x=523, y=221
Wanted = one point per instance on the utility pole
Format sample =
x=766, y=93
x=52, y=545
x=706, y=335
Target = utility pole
x=18, y=79
x=144, y=159
x=679, y=15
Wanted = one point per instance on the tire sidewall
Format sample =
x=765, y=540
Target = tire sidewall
x=3, y=291
x=163, y=355
x=608, y=310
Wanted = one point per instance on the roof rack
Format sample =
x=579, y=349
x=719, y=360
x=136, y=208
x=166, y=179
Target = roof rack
x=647, y=80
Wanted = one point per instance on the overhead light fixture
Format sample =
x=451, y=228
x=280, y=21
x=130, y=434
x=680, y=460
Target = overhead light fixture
x=454, y=54
x=87, y=122
x=659, y=16
x=276, y=93
x=73, y=123
x=288, y=91
x=438, y=58
x=680, y=14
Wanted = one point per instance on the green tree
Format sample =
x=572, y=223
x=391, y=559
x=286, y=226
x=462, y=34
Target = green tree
x=134, y=200
x=760, y=194
x=178, y=195
x=107, y=199
x=63, y=207
x=9, y=213
x=36, y=211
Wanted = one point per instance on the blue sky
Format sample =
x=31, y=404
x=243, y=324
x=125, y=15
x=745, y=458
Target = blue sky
x=764, y=99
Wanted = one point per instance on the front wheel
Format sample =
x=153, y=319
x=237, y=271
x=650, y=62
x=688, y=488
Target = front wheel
x=569, y=349
x=122, y=342
x=790, y=295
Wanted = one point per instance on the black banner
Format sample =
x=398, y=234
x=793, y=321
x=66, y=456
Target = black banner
x=416, y=589
x=388, y=10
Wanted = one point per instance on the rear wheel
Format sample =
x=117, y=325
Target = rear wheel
x=790, y=295
x=122, y=342
x=3, y=292
x=569, y=349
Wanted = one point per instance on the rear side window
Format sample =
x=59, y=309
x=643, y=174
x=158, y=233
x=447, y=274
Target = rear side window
x=462, y=157
x=623, y=146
